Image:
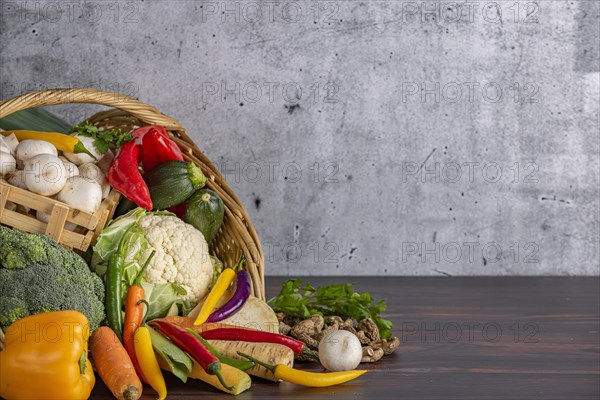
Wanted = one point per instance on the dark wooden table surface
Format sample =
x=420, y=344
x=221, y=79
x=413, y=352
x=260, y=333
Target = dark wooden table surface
x=463, y=338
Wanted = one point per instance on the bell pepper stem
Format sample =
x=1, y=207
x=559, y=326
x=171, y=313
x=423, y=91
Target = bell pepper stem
x=267, y=366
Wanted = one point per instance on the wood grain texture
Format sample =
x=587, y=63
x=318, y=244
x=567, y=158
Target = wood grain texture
x=463, y=338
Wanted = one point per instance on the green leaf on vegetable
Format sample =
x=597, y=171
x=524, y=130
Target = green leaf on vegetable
x=303, y=300
x=179, y=363
x=102, y=138
x=160, y=298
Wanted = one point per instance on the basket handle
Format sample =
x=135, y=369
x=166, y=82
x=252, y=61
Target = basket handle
x=141, y=111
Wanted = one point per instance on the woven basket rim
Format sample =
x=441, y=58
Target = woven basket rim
x=240, y=231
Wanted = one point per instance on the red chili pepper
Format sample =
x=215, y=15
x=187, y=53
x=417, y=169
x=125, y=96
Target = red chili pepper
x=249, y=335
x=191, y=345
x=125, y=177
x=158, y=148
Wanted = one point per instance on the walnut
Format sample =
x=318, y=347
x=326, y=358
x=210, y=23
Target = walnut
x=331, y=328
x=291, y=320
x=371, y=355
x=280, y=316
x=387, y=345
x=348, y=325
x=363, y=338
x=334, y=319
x=371, y=330
x=309, y=341
x=308, y=327
x=284, y=328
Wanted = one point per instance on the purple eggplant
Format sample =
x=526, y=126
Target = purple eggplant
x=237, y=301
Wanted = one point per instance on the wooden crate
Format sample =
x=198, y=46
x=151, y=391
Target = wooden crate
x=88, y=225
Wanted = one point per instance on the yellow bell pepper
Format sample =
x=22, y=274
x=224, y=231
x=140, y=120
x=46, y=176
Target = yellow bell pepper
x=45, y=357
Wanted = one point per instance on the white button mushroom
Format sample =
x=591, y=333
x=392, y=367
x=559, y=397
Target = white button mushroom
x=340, y=351
x=30, y=148
x=71, y=168
x=10, y=141
x=7, y=163
x=82, y=194
x=106, y=161
x=44, y=174
x=93, y=172
x=42, y=216
x=4, y=148
x=17, y=179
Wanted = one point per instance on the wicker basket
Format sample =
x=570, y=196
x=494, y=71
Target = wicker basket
x=237, y=234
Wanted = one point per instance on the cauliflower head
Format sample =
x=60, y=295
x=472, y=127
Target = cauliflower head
x=181, y=255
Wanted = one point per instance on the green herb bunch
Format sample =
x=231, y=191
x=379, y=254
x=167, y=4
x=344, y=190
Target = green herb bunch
x=102, y=138
x=303, y=300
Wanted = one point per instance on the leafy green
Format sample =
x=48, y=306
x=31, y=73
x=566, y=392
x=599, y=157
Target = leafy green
x=179, y=363
x=161, y=298
x=304, y=300
x=102, y=138
x=35, y=119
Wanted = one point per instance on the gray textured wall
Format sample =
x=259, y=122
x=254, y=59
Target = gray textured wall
x=364, y=137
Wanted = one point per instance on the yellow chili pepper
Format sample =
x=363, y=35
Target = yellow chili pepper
x=215, y=294
x=305, y=378
x=148, y=362
x=45, y=357
x=62, y=142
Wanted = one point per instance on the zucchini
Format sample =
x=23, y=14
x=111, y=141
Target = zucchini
x=173, y=182
x=205, y=212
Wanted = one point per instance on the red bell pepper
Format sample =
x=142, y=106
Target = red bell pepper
x=124, y=175
x=157, y=147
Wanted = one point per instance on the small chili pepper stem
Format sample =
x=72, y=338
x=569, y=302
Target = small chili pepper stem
x=309, y=353
x=239, y=364
x=142, y=301
x=220, y=377
x=240, y=264
x=138, y=278
x=267, y=366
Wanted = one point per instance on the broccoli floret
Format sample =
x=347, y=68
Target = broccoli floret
x=37, y=275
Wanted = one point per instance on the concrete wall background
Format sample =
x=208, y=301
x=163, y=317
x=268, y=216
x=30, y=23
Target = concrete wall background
x=326, y=119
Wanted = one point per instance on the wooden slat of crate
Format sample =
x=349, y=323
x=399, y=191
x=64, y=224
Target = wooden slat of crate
x=46, y=205
x=56, y=223
x=106, y=212
x=28, y=223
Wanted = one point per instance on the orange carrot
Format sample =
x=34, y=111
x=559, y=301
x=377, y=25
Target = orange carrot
x=114, y=365
x=134, y=313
